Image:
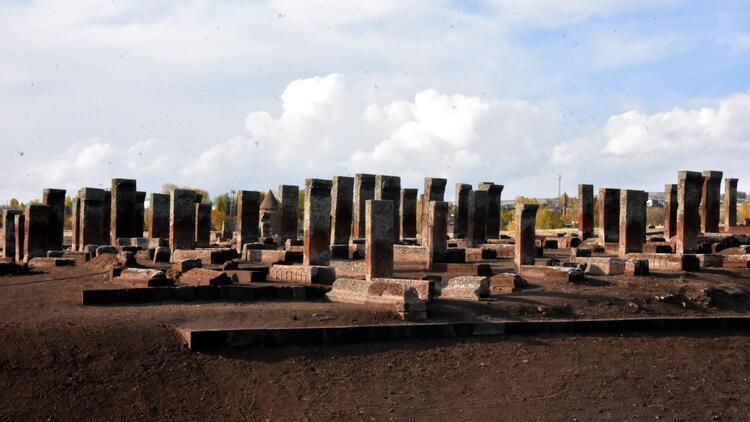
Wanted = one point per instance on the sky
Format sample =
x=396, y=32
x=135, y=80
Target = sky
x=226, y=95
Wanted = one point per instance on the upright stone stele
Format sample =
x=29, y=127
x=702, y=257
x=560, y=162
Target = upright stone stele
x=710, y=201
x=140, y=211
x=476, y=229
x=436, y=233
x=379, y=239
x=248, y=217
x=203, y=225
x=55, y=199
x=107, y=223
x=730, y=204
x=525, y=247
x=408, y=213
x=317, y=222
x=364, y=190
x=92, y=216
x=342, y=195
x=461, y=210
x=123, y=209
x=494, y=194
x=434, y=190
x=586, y=211
x=632, y=221
x=158, y=216
x=609, y=215
x=689, y=185
x=9, y=232
x=181, y=219
x=75, y=222
x=670, y=211
x=36, y=238
x=289, y=197
x=388, y=188
x=19, y=221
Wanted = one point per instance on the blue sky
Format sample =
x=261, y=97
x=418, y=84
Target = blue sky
x=247, y=95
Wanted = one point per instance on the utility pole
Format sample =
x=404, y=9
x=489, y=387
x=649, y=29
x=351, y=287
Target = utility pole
x=559, y=199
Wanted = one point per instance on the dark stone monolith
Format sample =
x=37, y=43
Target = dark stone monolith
x=408, y=213
x=388, y=188
x=632, y=221
x=689, y=185
x=317, y=222
x=55, y=199
x=342, y=194
x=181, y=219
x=364, y=190
x=248, y=217
x=494, y=194
x=525, y=247
x=609, y=215
x=710, y=201
x=461, y=210
x=379, y=239
x=158, y=216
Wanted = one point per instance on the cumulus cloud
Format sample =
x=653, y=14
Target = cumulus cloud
x=330, y=126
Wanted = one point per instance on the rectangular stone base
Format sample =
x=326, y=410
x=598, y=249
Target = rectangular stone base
x=669, y=262
x=402, y=296
x=709, y=260
x=736, y=261
x=546, y=274
x=602, y=265
x=51, y=262
x=206, y=256
x=340, y=251
x=306, y=274
x=246, y=276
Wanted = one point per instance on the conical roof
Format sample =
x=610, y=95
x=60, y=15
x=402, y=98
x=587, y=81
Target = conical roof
x=270, y=203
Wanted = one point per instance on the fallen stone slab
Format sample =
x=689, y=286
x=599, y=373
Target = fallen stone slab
x=602, y=265
x=246, y=276
x=51, y=262
x=668, y=262
x=100, y=250
x=78, y=257
x=737, y=250
x=710, y=260
x=401, y=296
x=464, y=287
x=505, y=283
x=736, y=261
x=271, y=256
x=203, y=277
x=207, y=339
x=142, y=277
x=547, y=274
x=317, y=274
x=187, y=264
x=209, y=256
x=468, y=268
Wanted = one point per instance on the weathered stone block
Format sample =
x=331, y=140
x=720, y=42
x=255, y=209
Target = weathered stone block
x=586, y=211
x=36, y=239
x=476, y=228
x=379, y=238
x=203, y=277
x=203, y=225
x=464, y=287
x=123, y=209
x=710, y=199
x=609, y=215
x=505, y=283
x=632, y=221
x=55, y=200
x=158, y=216
x=688, y=218
x=408, y=213
x=364, y=190
x=388, y=188
x=555, y=274
x=302, y=274
x=525, y=220
x=461, y=211
x=342, y=195
x=494, y=193
x=317, y=222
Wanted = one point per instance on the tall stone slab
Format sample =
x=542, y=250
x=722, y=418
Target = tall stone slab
x=378, y=239
x=632, y=221
x=91, y=217
x=388, y=188
x=436, y=233
x=525, y=246
x=408, y=213
x=181, y=219
x=140, y=214
x=434, y=190
x=670, y=211
x=123, y=209
x=289, y=197
x=586, y=211
x=107, y=223
x=342, y=196
x=730, y=203
x=9, y=232
x=36, y=238
x=158, y=216
x=609, y=215
x=476, y=228
x=20, y=236
x=203, y=225
x=248, y=217
x=689, y=186
x=710, y=201
x=55, y=200
x=317, y=222
x=494, y=194
x=75, y=222
x=461, y=210
x=364, y=190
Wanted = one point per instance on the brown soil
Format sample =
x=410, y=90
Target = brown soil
x=64, y=361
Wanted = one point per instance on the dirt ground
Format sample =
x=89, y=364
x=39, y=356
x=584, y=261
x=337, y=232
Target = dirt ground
x=60, y=360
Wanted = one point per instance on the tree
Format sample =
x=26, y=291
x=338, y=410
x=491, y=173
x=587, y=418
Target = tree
x=13, y=203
